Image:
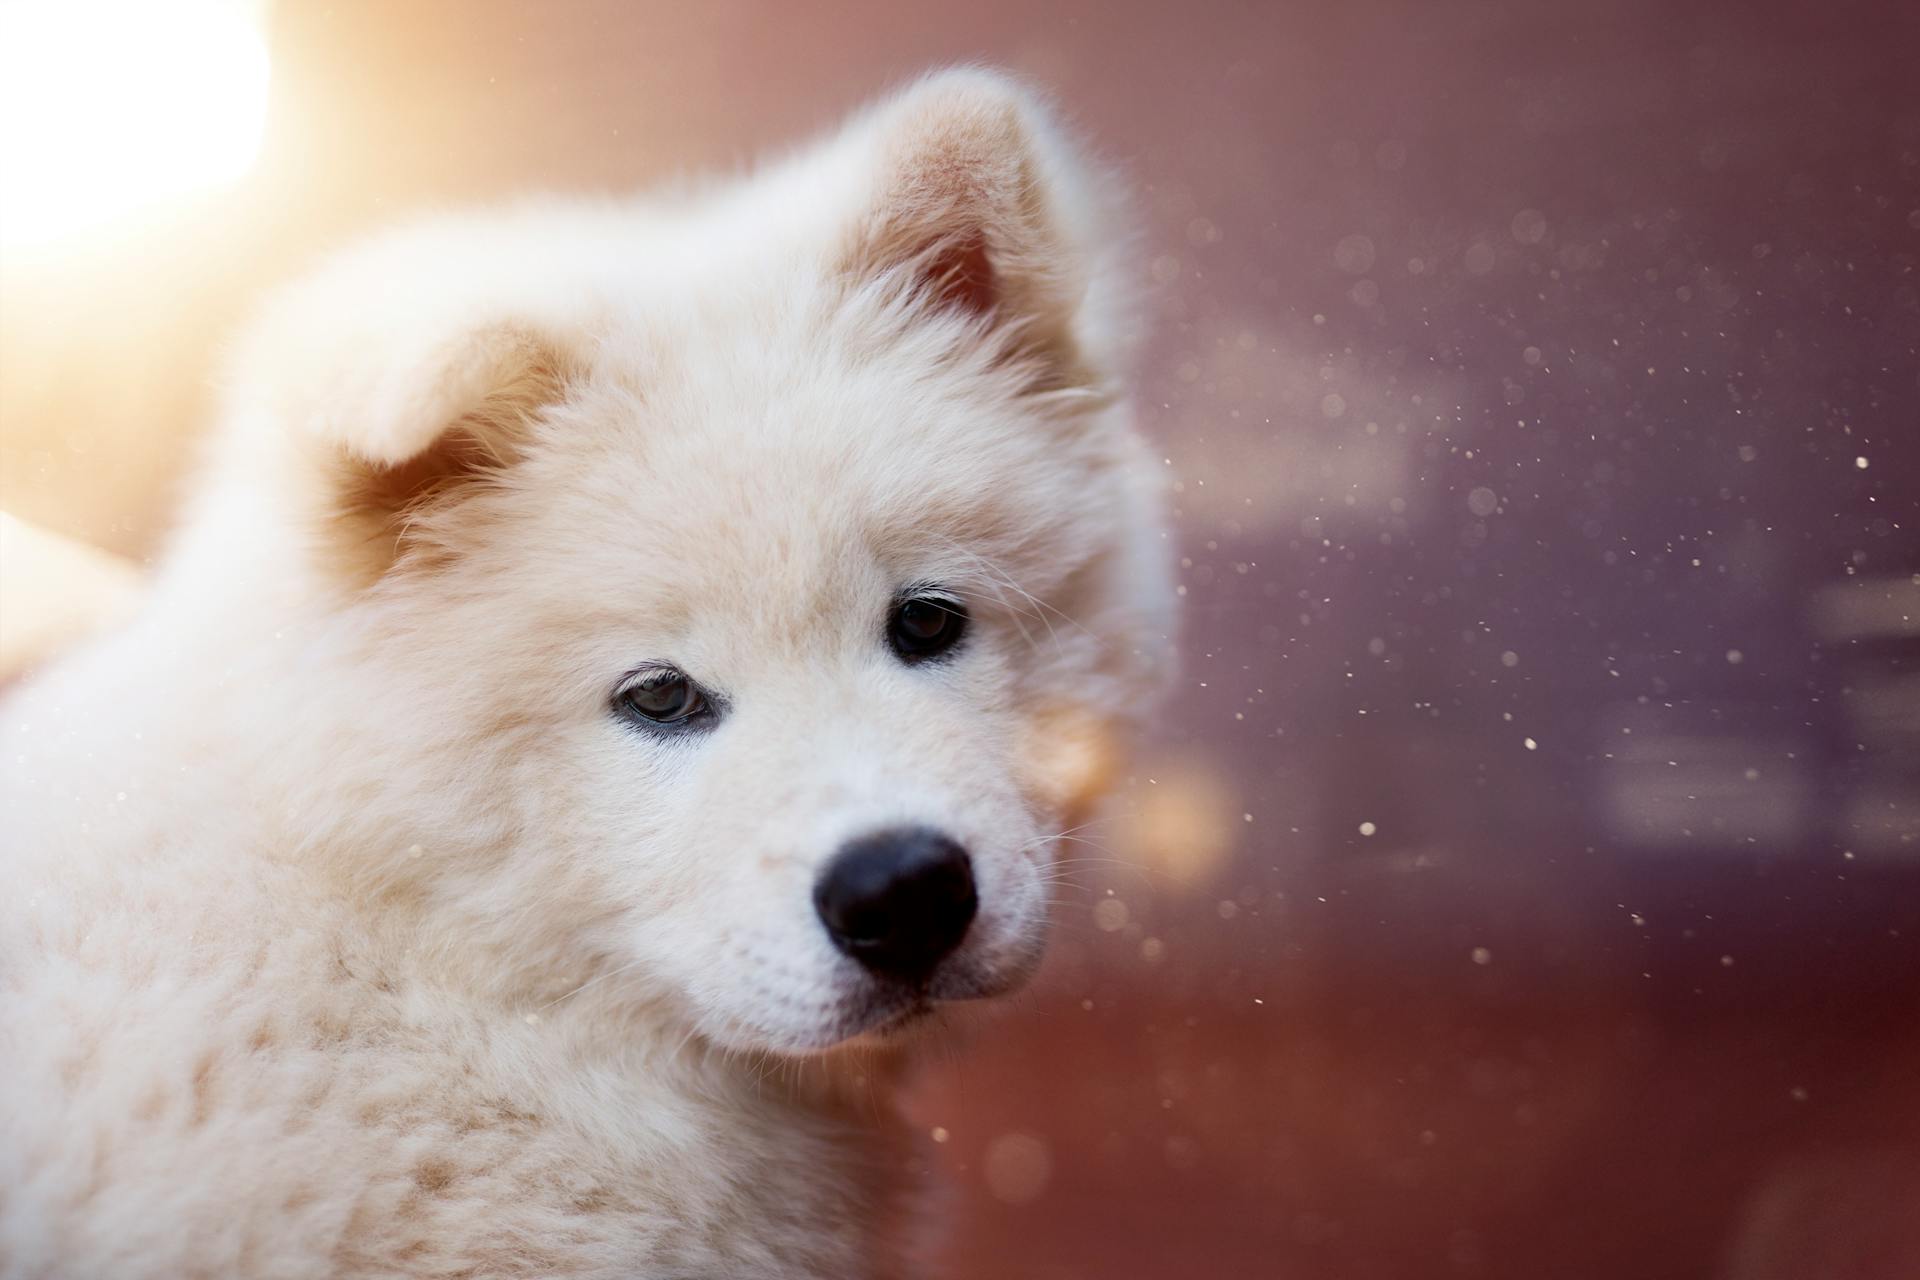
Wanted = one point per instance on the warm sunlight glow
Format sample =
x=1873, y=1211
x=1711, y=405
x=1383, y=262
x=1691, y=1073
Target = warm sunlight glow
x=110, y=105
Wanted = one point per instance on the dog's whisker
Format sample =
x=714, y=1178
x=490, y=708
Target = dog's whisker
x=999, y=574
x=1068, y=834
x=1000, y=579
x=596, y=980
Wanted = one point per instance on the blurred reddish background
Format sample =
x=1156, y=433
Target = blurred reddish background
x=1527, y=881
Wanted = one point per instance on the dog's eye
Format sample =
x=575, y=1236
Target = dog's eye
x=664, y=696
x=926, y=626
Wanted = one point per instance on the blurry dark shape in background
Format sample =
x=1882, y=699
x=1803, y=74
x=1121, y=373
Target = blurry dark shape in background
x=1528, y=881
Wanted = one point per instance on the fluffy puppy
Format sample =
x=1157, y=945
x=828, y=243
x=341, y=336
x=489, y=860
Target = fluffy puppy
x=622, y=675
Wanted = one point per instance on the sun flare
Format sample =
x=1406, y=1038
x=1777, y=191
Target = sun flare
x=108, y=106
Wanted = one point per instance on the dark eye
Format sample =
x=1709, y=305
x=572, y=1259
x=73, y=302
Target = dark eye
x=663, y=696
x=925, y=626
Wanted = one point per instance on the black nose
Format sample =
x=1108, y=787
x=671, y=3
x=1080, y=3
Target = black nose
x=897, y=901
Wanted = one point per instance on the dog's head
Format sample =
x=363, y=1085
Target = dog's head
x=743, y=590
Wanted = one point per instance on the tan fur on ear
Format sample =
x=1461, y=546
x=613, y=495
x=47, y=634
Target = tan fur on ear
x=405, y=371
x=974, y=201
x=376, y=505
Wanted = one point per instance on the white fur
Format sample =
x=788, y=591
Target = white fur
x=346, y=930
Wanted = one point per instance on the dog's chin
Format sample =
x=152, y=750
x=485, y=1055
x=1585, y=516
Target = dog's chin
x=911, y=1023
x=881, y=1013
x=897, y=1015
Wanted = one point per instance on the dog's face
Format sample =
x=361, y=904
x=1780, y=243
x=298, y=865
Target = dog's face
x=813, y=648
x=766, y=578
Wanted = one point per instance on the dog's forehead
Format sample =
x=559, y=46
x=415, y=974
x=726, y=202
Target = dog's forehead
x=790, y=481
x=778, y=440
x=786, y=531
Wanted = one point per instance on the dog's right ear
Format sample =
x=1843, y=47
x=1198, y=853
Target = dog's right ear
x=402, y=374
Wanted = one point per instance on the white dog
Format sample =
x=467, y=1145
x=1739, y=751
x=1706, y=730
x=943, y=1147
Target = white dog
x=625, y=665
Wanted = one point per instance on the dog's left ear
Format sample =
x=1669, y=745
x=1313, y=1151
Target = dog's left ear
x=973, y=195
